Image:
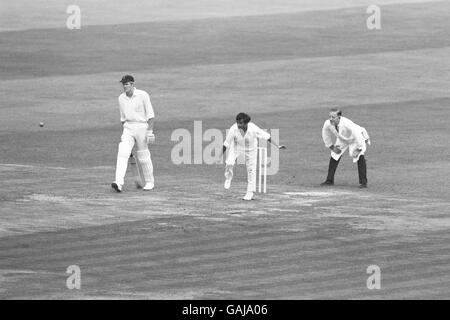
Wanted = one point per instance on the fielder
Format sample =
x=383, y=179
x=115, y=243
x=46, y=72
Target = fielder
x=242, y=139
x=137, y=117
x=348, y=135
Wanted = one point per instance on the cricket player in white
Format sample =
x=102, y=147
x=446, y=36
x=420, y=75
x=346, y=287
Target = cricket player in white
x=242, y=139
x=346, y=134
x=137, y=117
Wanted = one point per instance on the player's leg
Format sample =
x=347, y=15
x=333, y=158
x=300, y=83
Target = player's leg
x=125, y=146
x=229, y=165
x=250, y=163
x=144, y=158
x=362, y=172
x=332, y=166
x=133, y=163
x=146, y=163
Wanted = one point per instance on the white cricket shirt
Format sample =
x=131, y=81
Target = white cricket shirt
x=136, y=108
x=247, y=141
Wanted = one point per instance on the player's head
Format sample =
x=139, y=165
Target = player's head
x=335, y=116
x=127, y=83
x=242, y=120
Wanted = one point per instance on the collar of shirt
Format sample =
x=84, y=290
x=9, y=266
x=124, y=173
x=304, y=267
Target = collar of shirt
x=250, y=129
x=242, y=132
x=135, y=92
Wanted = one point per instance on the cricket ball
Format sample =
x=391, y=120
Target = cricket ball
x=41, y=124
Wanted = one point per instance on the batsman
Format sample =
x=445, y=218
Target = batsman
x=242, y=139
x=137, y=117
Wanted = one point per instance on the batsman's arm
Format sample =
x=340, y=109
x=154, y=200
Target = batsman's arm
x=149, y=112
x=151, y=124
x=122, y=114
x=150, y=134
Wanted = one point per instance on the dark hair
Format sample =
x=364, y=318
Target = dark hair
x=243, y=116
x=339, y=112
x=127, y=78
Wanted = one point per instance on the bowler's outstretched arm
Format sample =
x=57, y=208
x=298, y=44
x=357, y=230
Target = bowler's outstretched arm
x=278, y=146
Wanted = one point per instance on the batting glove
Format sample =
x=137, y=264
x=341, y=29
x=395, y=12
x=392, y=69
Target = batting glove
x=150, y=137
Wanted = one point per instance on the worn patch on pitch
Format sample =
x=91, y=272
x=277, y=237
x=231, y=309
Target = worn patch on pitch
x=47, y=198
x=319, y=194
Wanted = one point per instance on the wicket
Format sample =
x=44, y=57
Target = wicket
x=262, y=172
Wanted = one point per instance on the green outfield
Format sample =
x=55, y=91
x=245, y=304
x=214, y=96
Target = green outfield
x=189, y=238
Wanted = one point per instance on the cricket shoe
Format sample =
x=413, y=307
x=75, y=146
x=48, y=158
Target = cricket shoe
x=116, y=186
x=148, y=186
x=327, y=183
x=227, y=184
x=248, y=196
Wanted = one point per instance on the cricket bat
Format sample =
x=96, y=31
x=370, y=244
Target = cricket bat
x=134, y=165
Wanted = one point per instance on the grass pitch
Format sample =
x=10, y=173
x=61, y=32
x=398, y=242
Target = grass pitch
x=189, y=238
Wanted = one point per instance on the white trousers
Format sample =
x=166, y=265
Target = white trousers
x=250, y=163
x=134, y=133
